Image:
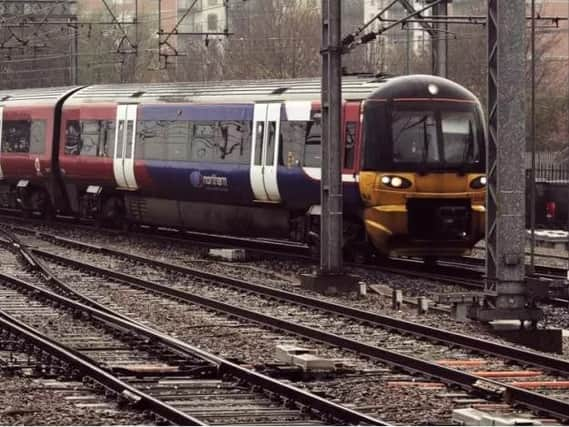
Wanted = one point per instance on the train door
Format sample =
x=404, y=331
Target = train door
x=125, y=139
x=265, y=152
x=1, y=117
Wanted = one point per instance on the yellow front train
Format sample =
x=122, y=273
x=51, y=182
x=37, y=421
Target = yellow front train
x=437, y=215
x=422, y=180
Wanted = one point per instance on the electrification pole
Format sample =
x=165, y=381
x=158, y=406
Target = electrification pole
x=506, y=290
x=331, y=186
x=439, y=40
x=330, y=277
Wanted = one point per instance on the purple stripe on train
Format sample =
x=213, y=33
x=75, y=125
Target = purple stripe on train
x=198, y=112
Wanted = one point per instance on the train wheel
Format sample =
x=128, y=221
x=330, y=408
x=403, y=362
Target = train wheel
x=113, y=213
x=40, y=203
x=430, y=261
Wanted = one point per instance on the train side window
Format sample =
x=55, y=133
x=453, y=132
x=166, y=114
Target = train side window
x=177, y=138
x=312, y=151
x=150, y=139
x=204, y=141
x=106, y=148
x=72, y=138
x=350, y=144
x=90, y=137
x=37, y=137
x=292, y=136
x=233, y=142
x=16, y=136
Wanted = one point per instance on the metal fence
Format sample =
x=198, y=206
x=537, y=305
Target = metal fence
x=549, y=166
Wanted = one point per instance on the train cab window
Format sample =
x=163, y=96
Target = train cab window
x=460, y=138
x=16, y=135
x=415, y=137
x=350, y=144
x=312, y=151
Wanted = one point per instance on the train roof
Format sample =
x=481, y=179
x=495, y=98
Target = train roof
x=40, y=96
x=353, y=88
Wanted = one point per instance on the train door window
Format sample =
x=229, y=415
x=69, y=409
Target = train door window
x=129, y=139
x=16, y=136
x=292, y=134
x=270, y=159
x=37, y=137
x=350, y=144
x=312, y=150
x=260, y=129
x=120, y=137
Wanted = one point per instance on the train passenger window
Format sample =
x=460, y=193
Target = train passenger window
x=349, y=145
x=37, y=137
x=312, y=151
x=72, y=138
x=292, y=136
x=178, y=137
x=90, y=137
x=260, y=129
x=203, y=141
x=150, y=142
x=108, y=141
x=16, y=136
x=233, y=142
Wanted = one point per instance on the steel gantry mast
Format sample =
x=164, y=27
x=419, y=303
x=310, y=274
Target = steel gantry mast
x=506, y=290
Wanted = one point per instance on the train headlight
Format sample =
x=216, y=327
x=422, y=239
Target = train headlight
x=395, y=181
x=479, y=182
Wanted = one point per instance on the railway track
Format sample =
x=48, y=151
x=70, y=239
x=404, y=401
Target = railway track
x=177, y=382
x=406, y=345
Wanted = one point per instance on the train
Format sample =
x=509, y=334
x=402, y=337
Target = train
x=243, y=158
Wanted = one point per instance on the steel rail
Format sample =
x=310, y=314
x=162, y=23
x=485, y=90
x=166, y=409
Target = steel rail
x=89, y=369
x=323, y=406
x=464, y=380
x=452, y=338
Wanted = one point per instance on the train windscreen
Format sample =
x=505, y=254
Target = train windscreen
x=416, y=138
